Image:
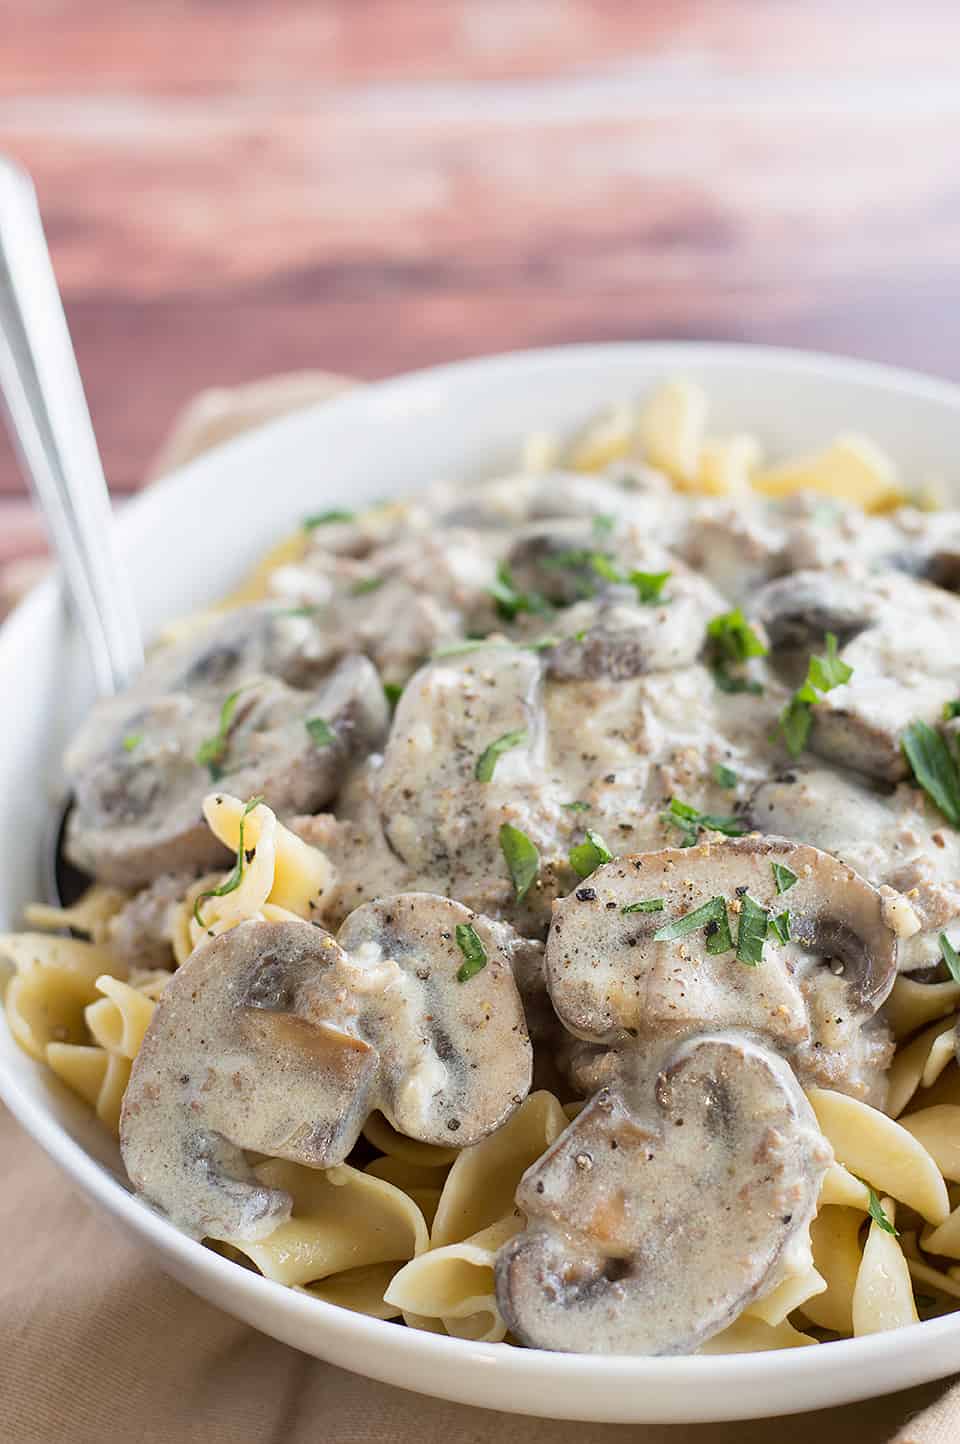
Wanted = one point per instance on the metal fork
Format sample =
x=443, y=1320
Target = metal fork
x=53, y=434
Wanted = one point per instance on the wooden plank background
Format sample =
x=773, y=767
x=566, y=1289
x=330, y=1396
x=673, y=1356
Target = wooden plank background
x=233, y=188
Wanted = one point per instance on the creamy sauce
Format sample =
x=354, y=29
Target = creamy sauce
x=552, y=680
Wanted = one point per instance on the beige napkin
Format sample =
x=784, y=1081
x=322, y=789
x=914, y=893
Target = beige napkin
x=96, y=1344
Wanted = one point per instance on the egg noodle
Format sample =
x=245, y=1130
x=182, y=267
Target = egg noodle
x=411, y=1230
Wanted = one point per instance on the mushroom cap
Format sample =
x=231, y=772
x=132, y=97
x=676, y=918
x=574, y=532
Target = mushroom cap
x=138, y=810
x=610, y=980
x=615, y=636
x=470, y=1062
x=438, y=817
x=241, y=1054
x=897, y=634
x=274, y=1038
x=799, y=609
x=652, y=1223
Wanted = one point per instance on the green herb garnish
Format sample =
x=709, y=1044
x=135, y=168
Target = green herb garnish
x=469, y=644
x=731, y=641
x=649, y=586
x=709, y=914
x=724, y=776
x=733, y=638
x=231, y=883
x=784, y=877
x=830, y=671
x=474, y=953
x=690, y=821
x=321, y=731
x=510, y=602
x=575, y=806
x=213, y=750
x=779, y=927
x=487, y=761
x=876, y=1211
x=324, y=518
x=823, y=674
x=603, y=525
x=393, y=691
x=751, y=932
x=587, y=856
x=950, y=956
x=605, y=567
x=522, y=858
x=951, y=709
x=132, y=741
x=365, y=585
x=648, y=905
x=934, y=767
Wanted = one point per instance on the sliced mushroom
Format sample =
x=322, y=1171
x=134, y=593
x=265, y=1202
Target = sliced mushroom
x=611, y=982
x=439, y=818
x=898, y=637
x=654, y=1220
x=276, y=1038
x=266, y=639
x=139, y=785
x=888, y=837
x=617, y=637
x=798, y=610
x=737, y=548
x=554, y=562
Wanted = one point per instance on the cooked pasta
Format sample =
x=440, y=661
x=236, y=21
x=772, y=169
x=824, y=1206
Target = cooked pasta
x=384, y=890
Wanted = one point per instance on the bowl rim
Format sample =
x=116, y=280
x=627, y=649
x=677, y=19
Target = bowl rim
x=135, y=516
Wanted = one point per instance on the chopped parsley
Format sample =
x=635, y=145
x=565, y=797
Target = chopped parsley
x=232, y=882
x=320, y=731
x=876, y=1210
x=823, y=674
x=649, y=586
x=605, y=568
x=934, y=767
x=587, y=856
x=132, y=741
x=951, y=709
x=950, y=956
x=487, y=761
x=690, y=821
x=724, y=776
x=474, y=953
x=469, y=644
x=731, y=641
x=213, y=750
x=365, y=585
x=393, y=691
x=575, y=806
x=779, y=927
x=509, y=601
x=751, y=932
x=648, y=905
x=521, y=856
x=783, y=876
x=325, y=518
x=711, y=915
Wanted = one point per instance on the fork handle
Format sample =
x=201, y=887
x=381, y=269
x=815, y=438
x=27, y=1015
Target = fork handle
x=52, y=432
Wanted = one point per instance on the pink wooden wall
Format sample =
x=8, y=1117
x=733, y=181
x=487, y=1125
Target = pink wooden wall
x=368, y=185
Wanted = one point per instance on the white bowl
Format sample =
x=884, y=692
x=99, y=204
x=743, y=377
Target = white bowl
x=187, y=541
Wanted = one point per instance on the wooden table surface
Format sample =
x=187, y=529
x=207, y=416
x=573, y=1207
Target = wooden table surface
x=232, y=189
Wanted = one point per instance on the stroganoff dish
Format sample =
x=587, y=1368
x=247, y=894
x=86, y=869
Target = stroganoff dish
x=530, y=911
